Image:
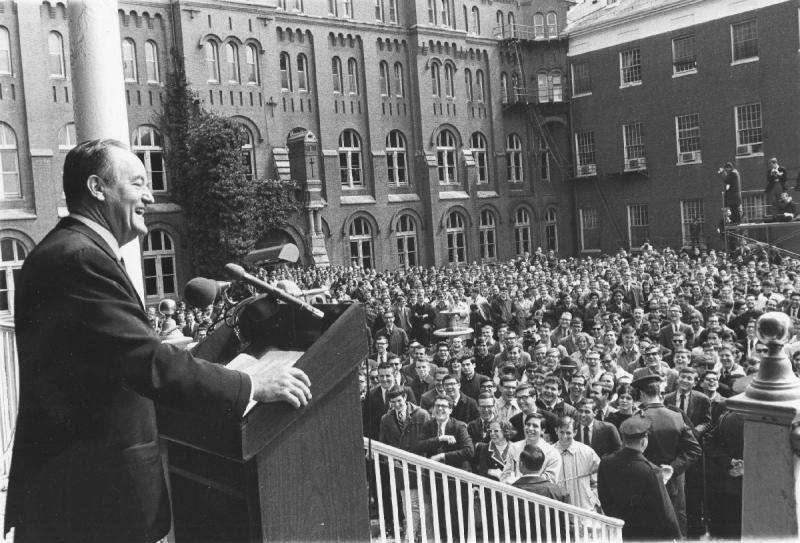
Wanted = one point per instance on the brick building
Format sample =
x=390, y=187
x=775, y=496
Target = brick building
x=422, y=131
x=665, y=92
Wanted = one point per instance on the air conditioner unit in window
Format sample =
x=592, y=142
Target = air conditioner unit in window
x=586, y=170
x=693, y=156
x=633, y=164
x=749, y=149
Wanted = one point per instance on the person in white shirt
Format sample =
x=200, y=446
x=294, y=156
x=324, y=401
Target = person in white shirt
x=533, y=436
x=579, y=465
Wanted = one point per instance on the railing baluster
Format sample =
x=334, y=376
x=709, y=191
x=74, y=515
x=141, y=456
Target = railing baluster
x=376, y=466
x=434, y=506
x=557, y=515
x=549, y=517
x=495, y=512
x=517, y=527
x=538, y=514
x=447, y=517
x=527, y=506
x=393, y=497
x=407, y=499
x=471, y=535
x=459, y=510
x=484, y=497
x=506, y=524
x=423, y=511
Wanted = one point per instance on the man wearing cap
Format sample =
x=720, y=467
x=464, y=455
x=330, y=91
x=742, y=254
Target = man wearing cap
x=631, y=487
x=671, y=441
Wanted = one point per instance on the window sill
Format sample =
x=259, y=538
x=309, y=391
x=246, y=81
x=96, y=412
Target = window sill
x=581, y=95
x=688, y=163
x=751, y=155
x=682, y=74
x=744, y=61
x=592, y=251
x=631, y=84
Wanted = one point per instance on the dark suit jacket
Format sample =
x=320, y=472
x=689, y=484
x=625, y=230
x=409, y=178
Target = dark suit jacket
x=86, y=464
x=373, y=408
x=465, y=410
x=698, y=410
x=458, y=454
x=549, y=428
x=476, y=431
x=540, y=485
x=398, y=339
x=605, y=437
x=666, y=332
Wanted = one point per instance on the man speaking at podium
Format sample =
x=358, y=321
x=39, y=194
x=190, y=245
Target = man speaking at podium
x=86, y=464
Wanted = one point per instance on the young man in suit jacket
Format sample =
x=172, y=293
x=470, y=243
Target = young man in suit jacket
x=86, y=463
x=600, y=436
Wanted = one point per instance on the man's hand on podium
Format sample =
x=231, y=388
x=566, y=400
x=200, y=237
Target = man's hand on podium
x=282, y=383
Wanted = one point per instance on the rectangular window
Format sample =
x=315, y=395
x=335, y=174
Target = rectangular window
x=693, y=222
x=590, y=229
x=749, y=139
x=687, y=131
x=581, y=82
x=584, y=143
x=630, y=67
x=633, y=142
x=683, y=56
x=638, y=225
x=755, y=206
x=379, y=10
x=744, y=41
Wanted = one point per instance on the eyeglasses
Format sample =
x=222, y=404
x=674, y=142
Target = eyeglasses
x=762, y=350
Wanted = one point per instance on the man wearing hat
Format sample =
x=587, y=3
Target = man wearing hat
x=631, y=487
x=671, y=441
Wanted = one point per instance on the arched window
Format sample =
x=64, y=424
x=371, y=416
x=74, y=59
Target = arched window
x=468, y=83
x=232, y=62
x=9, y=163
x=129, y=60
x=556, y=88
x=350, y=159
x=148, y=146
x=552, y=25
x=352, y=76
x=251, y=59
x=55, y=47
x=500, y=31
x=538, y=26
x=480, y=86
x=479, y=153
x=466, y=19
x=406, y=230
x=396, y=158
x=447, y=16
x=212, y=61
x=399, y=86
x=385, y=87
x=5, y=52
x=512, y=25
x=446, y=157
x=542, y=87
x=248, y=153
x=336, y=72
x=551, y=229
x=504, y=96
x=158, y=265
x=436, y=82
x=12, y=255
x=392, y=11
x=151, y=62
x=360, y=238
x=514, y=158
x=476, y=20
x=286, y=72
x=456, y=238
x=516, y=88
x=449, y=84
x=487, y=235
x=522, y=231
x=66, y=137
x=302, y=73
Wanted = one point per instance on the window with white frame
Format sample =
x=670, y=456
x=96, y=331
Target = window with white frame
x=12, y=256
x=581, y=80
x=692, y=221
x=446, y=157
x=504, y=92
x=551, y=230
x=285, y=66
x=347, y=10
x=522, y=231
x=542, y=89
x=514, y=159
x=333, y=7
x=55, y=47
x=633, y=145
x=744, y=41
x=129, y=60
x=251, y=59
x=9, y=163
x=480, y=86
x=336, y=73
x=379, y=10
x=436, y=81
x=298, y=6
x=352, y=76
x=584, y=144
x=392, y=11
x=384, y=78
x=360, y=239
x=449, y=84
x=466, y=19
x=399, y=85
x=5, y=52
x=512, y=25
x=149, y=147
x=406, y=233
x=468, y=83
x=556, y=86
x=447, y=15
x=479, y=153
x=517, y=92
x=687, y=130
x=432, y=12
x=487, y=235
x=749, y=138
x=476, y=20
x=302, y=73
x=212, y=61
x=755, y=206
x=630, y=67
x=158, y=265
x=538, y=26
x=248, y=153
x=638, y=225
x=590, y=228
x=151, y=62
x=501, y=24
x=350, y=159
x=544, y=160
x=552, y=25
x=456, y=238
x=232, y=62
x=396, y=158
x=684, y=59
x=67, y=138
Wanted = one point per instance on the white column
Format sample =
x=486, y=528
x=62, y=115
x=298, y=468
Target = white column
x=98, y=89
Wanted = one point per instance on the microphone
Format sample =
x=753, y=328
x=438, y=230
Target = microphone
x=201, y=292
x=238, y=273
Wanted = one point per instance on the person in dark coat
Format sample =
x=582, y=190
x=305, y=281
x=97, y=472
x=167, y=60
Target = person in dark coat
x=733, y=191
x=531, y=460
x=632, y=488
x=725, y=466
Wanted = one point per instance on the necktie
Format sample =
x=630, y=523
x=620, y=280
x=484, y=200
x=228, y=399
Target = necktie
x=401, y=421
x=585, y=439
x=683, y=402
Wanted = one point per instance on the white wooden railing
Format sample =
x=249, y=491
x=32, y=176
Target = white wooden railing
x=474, y=508
x=9, y=393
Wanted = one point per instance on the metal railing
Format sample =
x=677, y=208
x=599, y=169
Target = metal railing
x=9, y=392
x=516, y=31
x=443, y=503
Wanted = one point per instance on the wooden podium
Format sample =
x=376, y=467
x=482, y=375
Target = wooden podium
x=280, y=474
